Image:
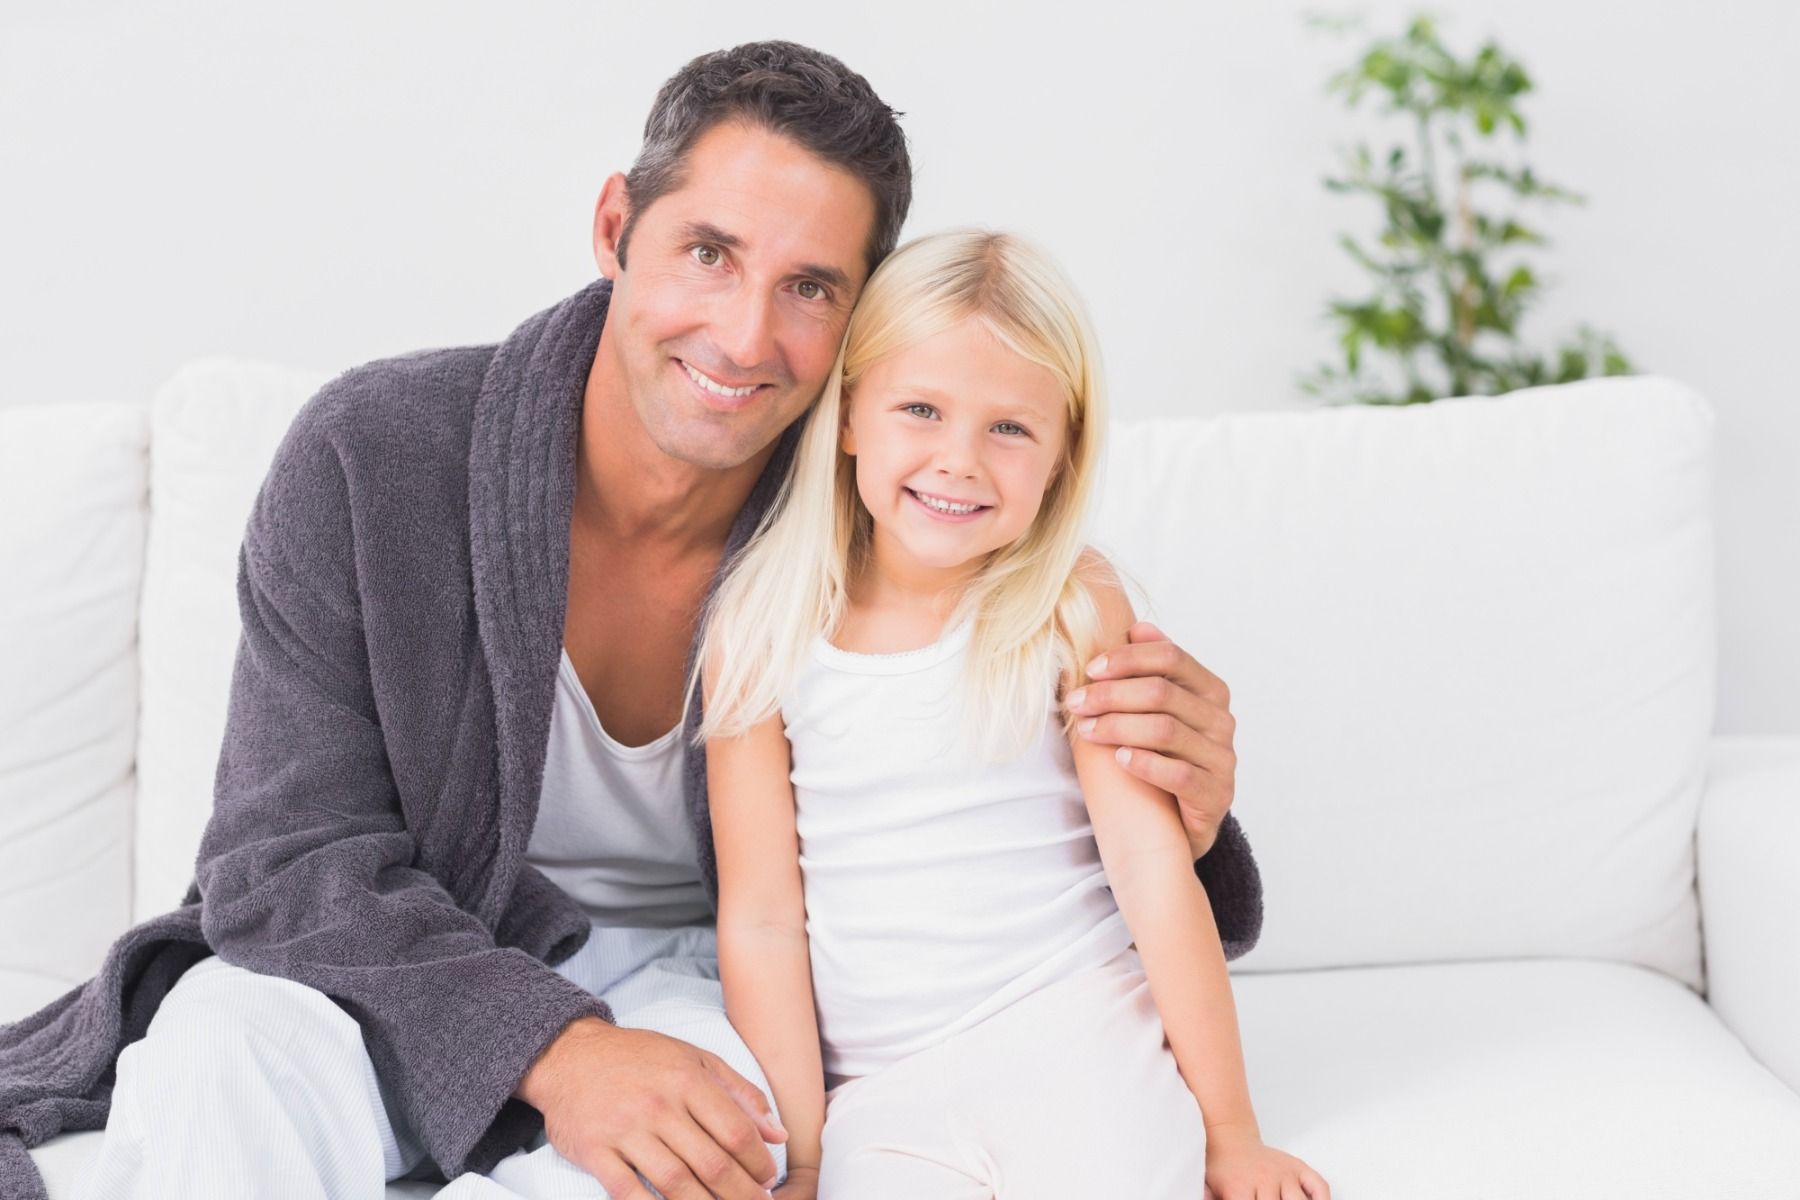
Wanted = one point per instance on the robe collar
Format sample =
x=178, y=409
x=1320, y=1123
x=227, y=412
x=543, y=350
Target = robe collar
x=521, y=497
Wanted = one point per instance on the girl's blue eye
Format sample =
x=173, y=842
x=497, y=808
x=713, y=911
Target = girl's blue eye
x=1016, y=426
x=910, y=407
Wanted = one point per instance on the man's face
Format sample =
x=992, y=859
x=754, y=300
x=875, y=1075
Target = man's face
x=726, y=321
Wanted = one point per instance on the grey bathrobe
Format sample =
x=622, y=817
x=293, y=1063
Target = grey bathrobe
x=402, y=586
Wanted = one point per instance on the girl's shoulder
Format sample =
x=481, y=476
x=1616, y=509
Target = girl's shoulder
x=1103, y=581
x=1088, y=633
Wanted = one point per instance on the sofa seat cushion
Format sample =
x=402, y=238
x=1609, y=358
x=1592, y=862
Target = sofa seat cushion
x=23, y=992
x=1500, y=1080
x=1510, y=1080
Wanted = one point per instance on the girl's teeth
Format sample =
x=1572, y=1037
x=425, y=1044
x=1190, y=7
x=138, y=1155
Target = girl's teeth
x=714, y=387
x=955, y=509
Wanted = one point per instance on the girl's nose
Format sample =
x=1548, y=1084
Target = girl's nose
x=960, y=456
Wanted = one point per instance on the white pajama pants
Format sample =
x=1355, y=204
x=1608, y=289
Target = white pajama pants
x=1072, y=1091
x=250, y=1085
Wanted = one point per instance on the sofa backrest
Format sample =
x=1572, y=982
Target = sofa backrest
x=1470, y=646
x=214, y=429
x=72, y=522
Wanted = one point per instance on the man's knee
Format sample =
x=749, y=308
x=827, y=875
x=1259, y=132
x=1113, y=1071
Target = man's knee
x=219, y=1019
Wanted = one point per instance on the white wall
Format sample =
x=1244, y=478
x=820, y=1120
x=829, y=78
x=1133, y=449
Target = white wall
x=322, y=184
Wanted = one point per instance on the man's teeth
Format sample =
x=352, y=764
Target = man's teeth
x=945, y=506
x=716, y=387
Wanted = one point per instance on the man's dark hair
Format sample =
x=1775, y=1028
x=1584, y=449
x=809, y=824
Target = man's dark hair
x=788, y=89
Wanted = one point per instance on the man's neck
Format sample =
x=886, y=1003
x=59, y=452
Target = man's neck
x=629, y=493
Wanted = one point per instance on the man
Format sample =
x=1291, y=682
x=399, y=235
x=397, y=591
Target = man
x=421, y=941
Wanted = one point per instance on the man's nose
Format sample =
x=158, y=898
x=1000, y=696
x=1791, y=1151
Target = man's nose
x=744, y=331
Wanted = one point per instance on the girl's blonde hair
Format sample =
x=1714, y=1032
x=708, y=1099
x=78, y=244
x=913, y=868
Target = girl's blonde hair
x=1030, y=600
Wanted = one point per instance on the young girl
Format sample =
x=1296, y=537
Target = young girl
x=946, y=919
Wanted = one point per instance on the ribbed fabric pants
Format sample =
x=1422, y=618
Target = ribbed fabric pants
x=1071, y=1091
x=249, y=1085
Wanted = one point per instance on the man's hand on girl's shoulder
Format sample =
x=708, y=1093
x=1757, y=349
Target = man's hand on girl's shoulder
x=1171, y=719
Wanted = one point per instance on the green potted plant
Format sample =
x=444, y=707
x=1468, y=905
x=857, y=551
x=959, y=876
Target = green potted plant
x=1442, y=310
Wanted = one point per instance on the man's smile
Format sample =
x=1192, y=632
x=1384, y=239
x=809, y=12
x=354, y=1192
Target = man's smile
x=717, y=393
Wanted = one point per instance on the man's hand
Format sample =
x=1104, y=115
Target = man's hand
x=619, y=1102
x=1171, y=719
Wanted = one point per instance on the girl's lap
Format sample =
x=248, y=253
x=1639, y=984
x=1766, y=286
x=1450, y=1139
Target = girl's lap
x=1072, y=1090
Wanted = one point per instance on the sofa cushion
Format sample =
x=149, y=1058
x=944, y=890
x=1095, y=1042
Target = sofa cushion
x=72, y=483
x=1512, y=1079
x=1470, y=646
x=214, y=429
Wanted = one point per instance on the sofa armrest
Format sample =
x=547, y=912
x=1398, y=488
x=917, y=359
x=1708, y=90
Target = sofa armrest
x=1748, y=849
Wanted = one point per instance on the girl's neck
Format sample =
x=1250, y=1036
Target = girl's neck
x=883, y=618
x=909, y=589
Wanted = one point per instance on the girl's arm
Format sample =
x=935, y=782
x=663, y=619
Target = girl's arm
x=764, y=963
x=1146, y=854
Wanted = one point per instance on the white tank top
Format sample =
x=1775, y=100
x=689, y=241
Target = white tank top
x=938, y=890
x=612, y=826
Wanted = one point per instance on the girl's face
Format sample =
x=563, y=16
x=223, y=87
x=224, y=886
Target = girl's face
x=953, y=421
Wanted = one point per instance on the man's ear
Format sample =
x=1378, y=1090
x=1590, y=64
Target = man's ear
x=610, y=212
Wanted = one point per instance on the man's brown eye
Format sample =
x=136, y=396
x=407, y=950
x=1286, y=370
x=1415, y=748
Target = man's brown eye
x=810, y=290
x=706, y=256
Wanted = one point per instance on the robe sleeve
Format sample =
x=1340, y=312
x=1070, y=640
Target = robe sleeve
x=1233, y=883
x=307, y=869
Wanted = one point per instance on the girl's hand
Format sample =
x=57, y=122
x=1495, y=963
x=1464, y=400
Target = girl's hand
x=802, y=1184
x=1240, y=1167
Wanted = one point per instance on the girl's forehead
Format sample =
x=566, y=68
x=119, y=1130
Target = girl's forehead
x=967, y=364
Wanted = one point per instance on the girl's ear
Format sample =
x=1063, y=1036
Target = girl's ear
x=846, y=436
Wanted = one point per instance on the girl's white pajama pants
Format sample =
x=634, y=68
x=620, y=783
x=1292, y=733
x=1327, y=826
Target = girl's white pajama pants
x=1070, y=1092
x=249, y=1085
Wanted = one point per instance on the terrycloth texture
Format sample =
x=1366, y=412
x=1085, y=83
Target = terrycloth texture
x=402, y=588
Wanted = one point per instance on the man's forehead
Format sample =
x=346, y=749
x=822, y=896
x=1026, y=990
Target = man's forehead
x=773, y=196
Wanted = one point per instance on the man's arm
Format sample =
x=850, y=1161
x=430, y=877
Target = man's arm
x=307, y=868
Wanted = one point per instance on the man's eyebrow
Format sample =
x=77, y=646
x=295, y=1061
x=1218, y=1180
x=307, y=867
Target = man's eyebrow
x=701, y=231
x=704, y=231
x=829, y=276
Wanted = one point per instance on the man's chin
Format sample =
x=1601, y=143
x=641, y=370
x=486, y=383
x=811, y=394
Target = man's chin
x=711, y=450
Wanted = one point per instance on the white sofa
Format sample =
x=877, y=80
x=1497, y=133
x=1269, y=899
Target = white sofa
x=1532, y=930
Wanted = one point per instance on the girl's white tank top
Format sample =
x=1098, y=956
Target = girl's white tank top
x=939, y=890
